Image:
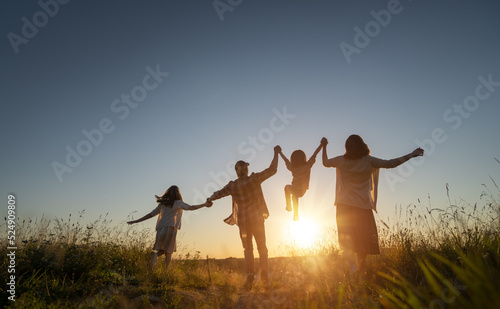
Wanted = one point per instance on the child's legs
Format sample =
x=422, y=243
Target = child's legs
x=170, y=245
x=168, y=259
x=295, y=200
x=297, y=193
x=288, y=193
x=153, y=257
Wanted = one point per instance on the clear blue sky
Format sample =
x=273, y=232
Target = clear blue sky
x=222, y=78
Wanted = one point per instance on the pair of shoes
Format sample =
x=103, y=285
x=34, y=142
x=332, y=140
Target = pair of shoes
x=249, y=282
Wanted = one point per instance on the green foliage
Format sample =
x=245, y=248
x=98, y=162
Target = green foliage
x=430, y=257
x=470, y=283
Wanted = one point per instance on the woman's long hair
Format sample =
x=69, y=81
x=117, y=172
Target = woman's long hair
x=298, y=158
x=355, y=148
x=170, y=196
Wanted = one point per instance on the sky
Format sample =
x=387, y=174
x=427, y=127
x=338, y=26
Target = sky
x=107, y=103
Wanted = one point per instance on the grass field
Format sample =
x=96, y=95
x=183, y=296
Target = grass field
x=431, y=258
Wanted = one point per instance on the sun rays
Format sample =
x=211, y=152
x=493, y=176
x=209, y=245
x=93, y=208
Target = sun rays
x=303, y=233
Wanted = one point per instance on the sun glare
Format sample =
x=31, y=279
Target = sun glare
x=303, y=232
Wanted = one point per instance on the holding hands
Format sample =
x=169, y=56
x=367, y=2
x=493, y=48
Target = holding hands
x=324, y=141
x=208, y=203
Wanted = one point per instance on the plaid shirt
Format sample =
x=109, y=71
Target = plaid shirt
x=249, y=206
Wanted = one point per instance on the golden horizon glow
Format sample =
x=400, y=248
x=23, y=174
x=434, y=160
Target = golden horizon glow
x=303, y=233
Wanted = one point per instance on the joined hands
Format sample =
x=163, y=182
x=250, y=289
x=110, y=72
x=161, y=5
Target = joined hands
x=208, y=203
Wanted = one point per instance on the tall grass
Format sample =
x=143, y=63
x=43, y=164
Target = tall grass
x=431, y=257
x=450, y=258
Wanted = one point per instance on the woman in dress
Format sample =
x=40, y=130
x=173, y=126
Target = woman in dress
x=356, y=197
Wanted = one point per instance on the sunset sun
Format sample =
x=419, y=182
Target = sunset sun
x=304, y=232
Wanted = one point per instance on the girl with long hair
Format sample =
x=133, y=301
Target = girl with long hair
x=169, y=212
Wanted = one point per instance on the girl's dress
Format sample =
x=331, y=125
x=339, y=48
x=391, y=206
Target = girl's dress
x=167, y=225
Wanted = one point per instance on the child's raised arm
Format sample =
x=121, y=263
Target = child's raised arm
x=287, y=162
x=317, y=151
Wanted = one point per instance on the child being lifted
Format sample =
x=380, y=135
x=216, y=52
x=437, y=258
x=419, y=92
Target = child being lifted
x=301, y=171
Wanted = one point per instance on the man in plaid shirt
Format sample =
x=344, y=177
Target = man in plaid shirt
x=249, y=212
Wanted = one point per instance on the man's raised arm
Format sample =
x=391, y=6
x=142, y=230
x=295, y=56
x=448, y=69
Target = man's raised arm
x=219, y=194
x=274, y=162
x=272, y=169
x=324, y=142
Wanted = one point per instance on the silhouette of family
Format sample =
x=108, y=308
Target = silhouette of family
x=357, y=174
